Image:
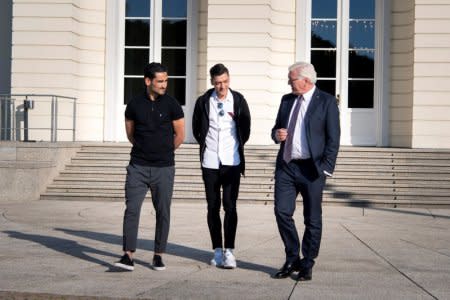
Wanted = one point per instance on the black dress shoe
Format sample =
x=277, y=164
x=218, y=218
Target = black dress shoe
x=287, y=269
x=304, y=274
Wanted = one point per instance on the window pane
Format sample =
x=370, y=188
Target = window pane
x=328, y=86
x=137, y=8
x=323, y=34
x=174, y=9
x=362, y=9
x=362, y=34
x=132, y=88
x=137, y=32
x=324, y=62
x=176, y=88
x=174, y=33
x=360, y=94
x=361, y=64
x=175, y=61
x=135, y=61
x=324, y=8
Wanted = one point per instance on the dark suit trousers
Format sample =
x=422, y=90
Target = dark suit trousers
x=290, y=180
x=229, y=178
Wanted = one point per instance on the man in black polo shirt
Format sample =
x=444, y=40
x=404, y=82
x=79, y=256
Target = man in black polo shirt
x=154, y=123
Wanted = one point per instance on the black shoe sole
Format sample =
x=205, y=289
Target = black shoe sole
x=304, y=276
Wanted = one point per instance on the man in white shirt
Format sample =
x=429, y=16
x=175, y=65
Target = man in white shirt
x=221, y=126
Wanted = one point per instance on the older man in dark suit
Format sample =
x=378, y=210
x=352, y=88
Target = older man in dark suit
x=307, y=128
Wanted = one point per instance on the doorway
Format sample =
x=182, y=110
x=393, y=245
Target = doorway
x=341, y=38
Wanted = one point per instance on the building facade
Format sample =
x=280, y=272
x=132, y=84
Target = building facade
x=387, y=62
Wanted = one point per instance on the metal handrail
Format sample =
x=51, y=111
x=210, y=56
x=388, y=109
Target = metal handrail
x=9, y=112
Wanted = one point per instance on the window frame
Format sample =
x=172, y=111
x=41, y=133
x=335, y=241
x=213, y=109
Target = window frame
x=115, y=70
x=381, y=68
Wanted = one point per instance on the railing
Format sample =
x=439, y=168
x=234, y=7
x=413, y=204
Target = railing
x=31, y=117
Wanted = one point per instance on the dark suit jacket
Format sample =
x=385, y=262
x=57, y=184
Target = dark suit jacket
x=322, y=129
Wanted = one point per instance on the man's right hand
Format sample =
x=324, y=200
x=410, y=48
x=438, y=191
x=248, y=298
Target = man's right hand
x=281, y=134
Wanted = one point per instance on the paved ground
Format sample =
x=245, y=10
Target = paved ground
x=54, y=248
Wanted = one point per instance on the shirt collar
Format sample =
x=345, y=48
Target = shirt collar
x=157, y=98
x=308, y=95
x=228, y=98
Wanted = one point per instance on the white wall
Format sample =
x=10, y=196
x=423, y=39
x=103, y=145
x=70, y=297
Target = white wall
x=402, y=73
x=59, y=48
x=202, y=70
x=256, y=41
x=431, y=107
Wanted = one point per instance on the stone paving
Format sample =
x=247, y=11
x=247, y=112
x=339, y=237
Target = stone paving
x=66, y=250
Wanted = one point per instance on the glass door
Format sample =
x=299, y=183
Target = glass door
x=142, y=31
x=342, y=48
x=155, y=31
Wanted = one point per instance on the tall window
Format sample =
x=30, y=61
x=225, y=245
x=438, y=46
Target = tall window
x=324, y=43
x=361, y=54
x=155, y=30
x=343, y=48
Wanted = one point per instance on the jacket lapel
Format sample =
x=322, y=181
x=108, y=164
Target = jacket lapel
x=312, y=105
x=289, y=104
x=206, y=102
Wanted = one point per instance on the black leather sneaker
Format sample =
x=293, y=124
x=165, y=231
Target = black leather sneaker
x=158, y=264
x=125, y=263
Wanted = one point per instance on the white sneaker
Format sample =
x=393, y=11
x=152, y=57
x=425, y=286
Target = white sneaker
x=217, y=260
x=229, y=261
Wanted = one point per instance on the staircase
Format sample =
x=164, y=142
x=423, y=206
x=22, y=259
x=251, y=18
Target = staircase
x=363, y=176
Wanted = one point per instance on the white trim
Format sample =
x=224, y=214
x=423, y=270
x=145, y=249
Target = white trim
x=342, y=37
x=155, y=31
x=303, y=31
x=378, y=132
x=114, y=128
x=113, y=70
x=382, y=71
x=191, y=66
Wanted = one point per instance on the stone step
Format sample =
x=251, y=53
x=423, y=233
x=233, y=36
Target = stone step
x=270, y=161
x=260, y=185
x=364, y=176
x=413, y=178
x=328, y=198
x=385, y=163
x=360, y=171
x=252, y=162
x=269, y=196
x=341, y=178
x=344, y=150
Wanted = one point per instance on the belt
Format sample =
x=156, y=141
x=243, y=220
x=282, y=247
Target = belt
x=301, y=161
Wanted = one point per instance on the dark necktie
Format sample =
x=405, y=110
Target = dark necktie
x=287, y=154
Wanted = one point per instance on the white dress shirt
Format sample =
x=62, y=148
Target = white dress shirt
x=300, y=148
x=221, y=140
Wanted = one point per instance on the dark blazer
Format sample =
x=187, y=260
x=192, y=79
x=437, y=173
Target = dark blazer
x=322, y=129
x=200, y=122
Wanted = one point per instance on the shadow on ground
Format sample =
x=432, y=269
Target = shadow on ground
x=80, y=251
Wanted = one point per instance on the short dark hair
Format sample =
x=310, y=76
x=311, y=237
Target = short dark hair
x=151, y=69
x=217, y=70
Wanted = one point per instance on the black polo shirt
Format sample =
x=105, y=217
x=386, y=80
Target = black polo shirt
x=153, y=129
